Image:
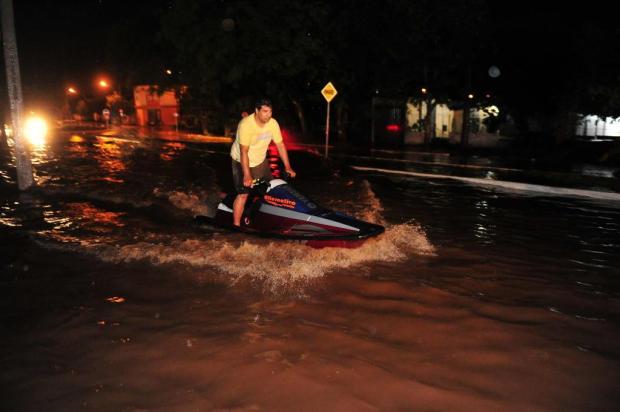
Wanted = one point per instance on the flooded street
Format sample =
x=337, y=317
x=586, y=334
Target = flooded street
x=475, y=297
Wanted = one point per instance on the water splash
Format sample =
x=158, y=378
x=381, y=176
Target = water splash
x=191, y=202
x=276, y=262
x=374, y=208
x=357, y=199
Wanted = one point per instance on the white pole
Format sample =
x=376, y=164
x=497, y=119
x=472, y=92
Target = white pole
x=14, y=84
x=327, y=131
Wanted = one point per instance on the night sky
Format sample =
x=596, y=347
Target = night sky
x=540, y=49
x=63, y=43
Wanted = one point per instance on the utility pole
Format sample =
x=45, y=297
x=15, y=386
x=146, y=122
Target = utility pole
x=16, y=101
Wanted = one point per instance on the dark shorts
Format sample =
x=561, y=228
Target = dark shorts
x=260, y=171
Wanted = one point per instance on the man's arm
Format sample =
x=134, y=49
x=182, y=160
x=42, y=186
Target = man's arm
x=284, y=156
x=245, y=165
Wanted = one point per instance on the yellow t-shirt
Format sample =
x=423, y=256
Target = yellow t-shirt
x=258, y=138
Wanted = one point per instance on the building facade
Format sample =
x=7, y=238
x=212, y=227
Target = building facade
x=154, y=107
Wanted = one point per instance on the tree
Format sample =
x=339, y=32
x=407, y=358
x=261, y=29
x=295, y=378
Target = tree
x=556, y=61
x=228, y=52
x=395, y=49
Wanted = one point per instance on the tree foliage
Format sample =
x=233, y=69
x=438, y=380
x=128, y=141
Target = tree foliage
x=229, y=51
x=289, y=50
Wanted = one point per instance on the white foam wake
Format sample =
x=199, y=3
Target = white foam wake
x=276, y=261
x=547, y=190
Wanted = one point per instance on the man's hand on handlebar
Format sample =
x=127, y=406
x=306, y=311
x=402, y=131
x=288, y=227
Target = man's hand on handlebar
x=290, y=172
x=247, y=181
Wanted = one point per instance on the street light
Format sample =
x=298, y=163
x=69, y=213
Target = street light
x=71, y=97
x=104, y=84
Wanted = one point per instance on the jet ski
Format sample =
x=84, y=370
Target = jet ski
x=276, y=209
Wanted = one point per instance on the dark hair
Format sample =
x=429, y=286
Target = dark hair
x=263, y=101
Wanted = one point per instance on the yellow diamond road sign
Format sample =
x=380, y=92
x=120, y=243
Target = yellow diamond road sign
x=329, y=92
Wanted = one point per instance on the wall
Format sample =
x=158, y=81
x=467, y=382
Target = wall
x=595, y=126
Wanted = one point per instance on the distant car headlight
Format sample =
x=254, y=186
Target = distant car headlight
x=35, y=130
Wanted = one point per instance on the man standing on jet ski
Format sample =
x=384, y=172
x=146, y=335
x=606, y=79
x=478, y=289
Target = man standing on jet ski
x=249, y=153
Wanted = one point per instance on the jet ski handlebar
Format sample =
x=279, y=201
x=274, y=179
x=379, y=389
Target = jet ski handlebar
x=259, y=186
x=286, y=176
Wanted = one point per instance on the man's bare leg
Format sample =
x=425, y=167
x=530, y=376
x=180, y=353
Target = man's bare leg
x=238, y=206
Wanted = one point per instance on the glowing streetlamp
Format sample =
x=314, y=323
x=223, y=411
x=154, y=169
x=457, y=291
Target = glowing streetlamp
x=423, y=90
x=72, y=95
x=104, y=84
x=168, y=72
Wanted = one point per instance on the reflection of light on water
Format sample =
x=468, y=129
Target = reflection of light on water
x=171, y=150
x=6, y=177
x=39, y=154
x=483, y=229
x=77, y=147
x=109, y=155
x=86, y=211
x=113, y=180
x=9, y=222
x=481, y=205
x=79, y=216
x=58, y=222
x=480, y=231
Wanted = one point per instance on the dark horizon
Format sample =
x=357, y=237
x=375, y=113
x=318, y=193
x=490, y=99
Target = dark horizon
x=540, y=49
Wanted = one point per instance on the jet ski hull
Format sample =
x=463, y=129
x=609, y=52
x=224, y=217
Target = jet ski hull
x=282, y=212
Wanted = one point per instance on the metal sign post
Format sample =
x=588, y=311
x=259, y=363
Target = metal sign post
x=327, y=131
x=328, y=92
x=106, y=116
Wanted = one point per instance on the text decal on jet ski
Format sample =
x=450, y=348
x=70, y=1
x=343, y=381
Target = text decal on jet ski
x=276, y=201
